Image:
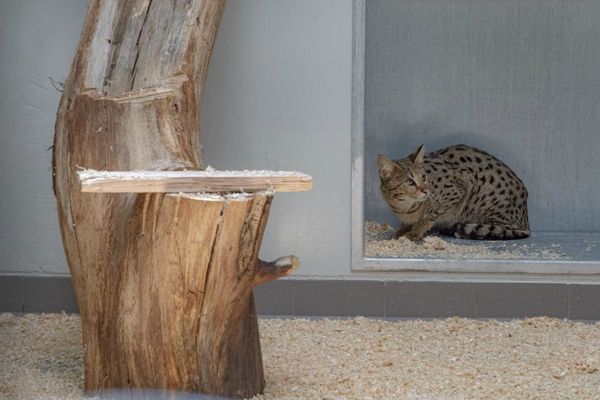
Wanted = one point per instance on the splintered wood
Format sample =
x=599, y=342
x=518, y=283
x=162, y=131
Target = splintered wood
x=379, y=242
x=359, y=359
x=163, y=280
x=209, y=180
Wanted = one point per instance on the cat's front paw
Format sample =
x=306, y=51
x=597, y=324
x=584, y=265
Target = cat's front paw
x=401, y=232
x=414, y=236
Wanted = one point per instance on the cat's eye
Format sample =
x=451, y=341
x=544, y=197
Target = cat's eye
x=424, y=177
x=410, y=182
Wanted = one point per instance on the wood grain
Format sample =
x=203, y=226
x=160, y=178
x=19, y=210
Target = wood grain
x=163, y=281
x=192, y=181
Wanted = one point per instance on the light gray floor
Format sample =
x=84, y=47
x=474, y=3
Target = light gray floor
x=575, y=246
x=572, y=253
x=572, y=246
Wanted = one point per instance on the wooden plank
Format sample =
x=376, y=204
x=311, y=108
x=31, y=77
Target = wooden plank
x=93, y=181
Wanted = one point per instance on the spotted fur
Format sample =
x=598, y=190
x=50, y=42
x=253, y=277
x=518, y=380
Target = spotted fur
x=459, y=190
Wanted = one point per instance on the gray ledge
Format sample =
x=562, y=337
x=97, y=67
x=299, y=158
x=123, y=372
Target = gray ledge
x=348, y=298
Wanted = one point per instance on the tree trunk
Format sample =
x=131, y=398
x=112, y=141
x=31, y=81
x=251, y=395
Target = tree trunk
x=163, y=281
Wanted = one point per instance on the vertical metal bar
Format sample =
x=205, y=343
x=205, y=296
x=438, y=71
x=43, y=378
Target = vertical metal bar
x=358, y=106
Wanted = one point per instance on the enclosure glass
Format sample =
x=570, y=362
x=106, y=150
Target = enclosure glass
x=518, y=79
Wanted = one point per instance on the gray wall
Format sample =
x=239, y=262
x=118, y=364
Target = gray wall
x=37, y=41
x=278, y=96
x=516, y=78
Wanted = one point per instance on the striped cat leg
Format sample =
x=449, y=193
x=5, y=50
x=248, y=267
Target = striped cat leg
x=419, y=229
x=402, y=231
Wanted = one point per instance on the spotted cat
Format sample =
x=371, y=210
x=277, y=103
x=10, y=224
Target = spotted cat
x=458, y=190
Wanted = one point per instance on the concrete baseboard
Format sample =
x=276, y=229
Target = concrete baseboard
x=347, y=298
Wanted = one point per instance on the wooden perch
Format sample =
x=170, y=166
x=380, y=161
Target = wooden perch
x=163, y=281
x=192, y=181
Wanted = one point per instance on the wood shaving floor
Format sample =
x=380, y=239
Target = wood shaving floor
x=540, y=358
x=379, y=242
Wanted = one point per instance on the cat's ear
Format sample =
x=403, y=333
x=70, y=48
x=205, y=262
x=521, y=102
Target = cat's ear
x=386, y=166
x=418, y=156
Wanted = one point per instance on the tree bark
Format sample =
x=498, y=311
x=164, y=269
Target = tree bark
x=163, y=281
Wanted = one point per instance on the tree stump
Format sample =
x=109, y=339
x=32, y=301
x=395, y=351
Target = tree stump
x=163, y=280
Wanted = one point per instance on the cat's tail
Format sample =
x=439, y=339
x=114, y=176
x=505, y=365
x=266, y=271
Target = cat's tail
x=489, y=232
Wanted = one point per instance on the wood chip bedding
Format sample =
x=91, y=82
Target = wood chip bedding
x=379, y=242
x=539, y=358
